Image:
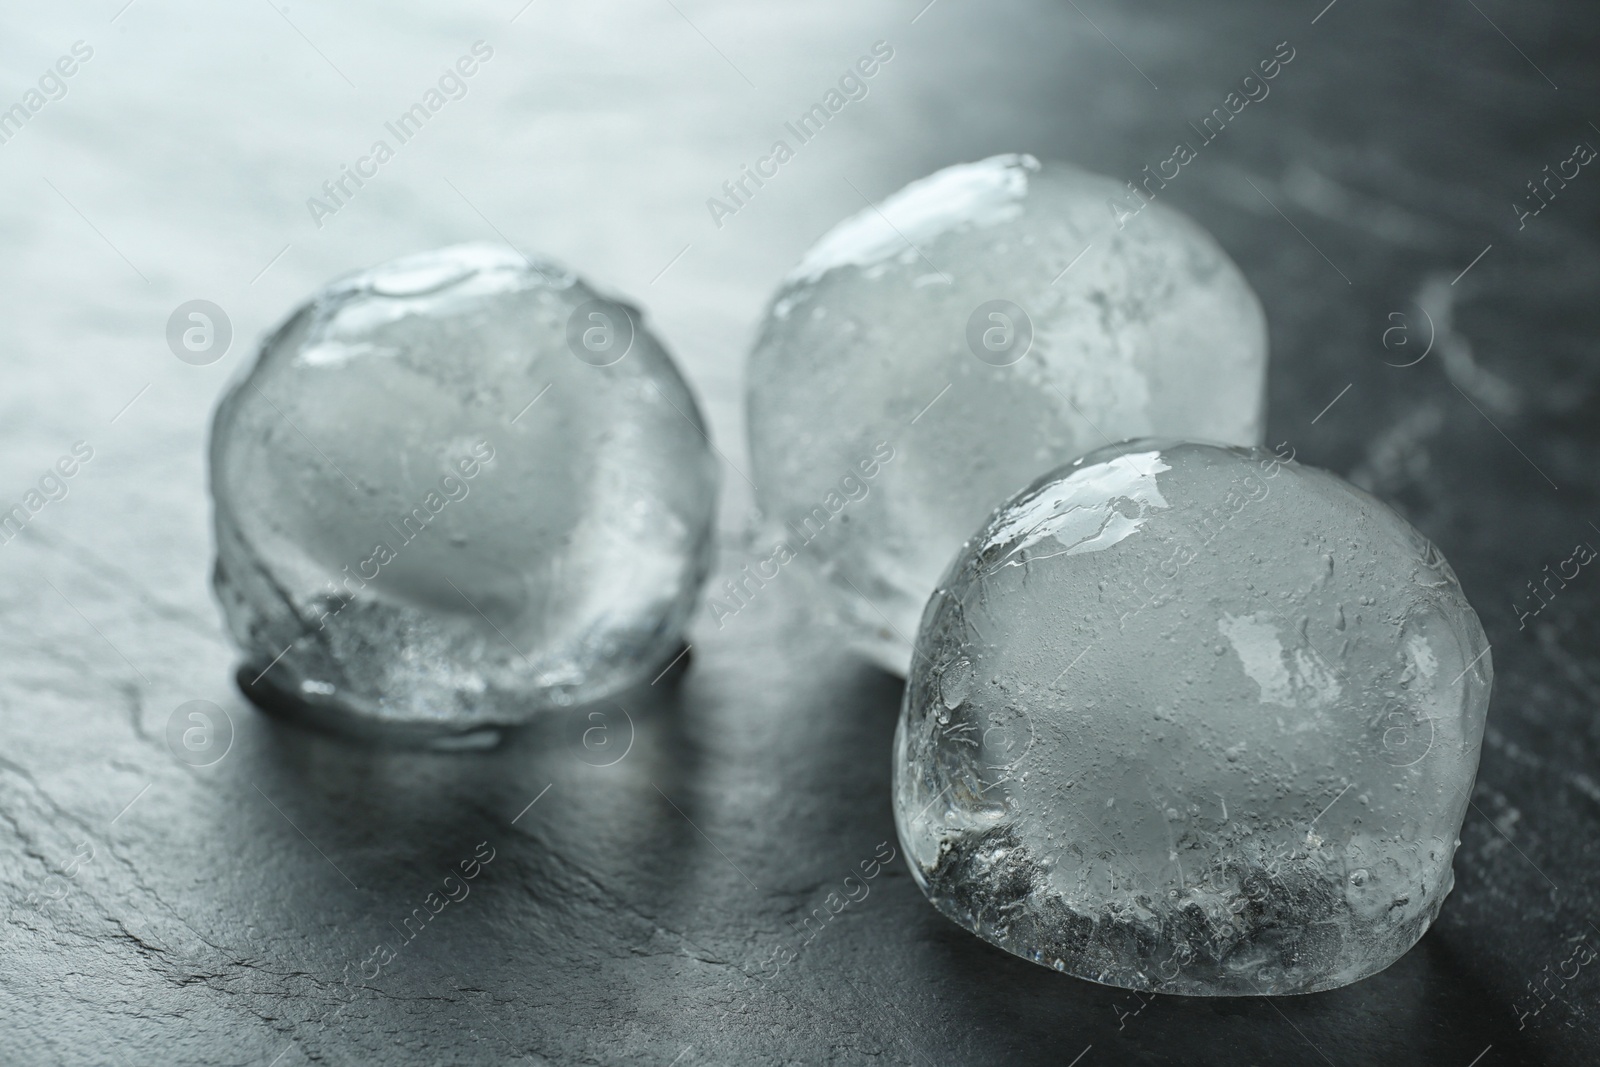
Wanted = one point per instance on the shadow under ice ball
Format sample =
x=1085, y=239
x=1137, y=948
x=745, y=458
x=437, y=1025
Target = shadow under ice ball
x=1193, y=719
x=986, y=323
x=457, y=489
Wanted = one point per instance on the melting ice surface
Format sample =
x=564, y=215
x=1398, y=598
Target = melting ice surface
x=1282, y=677
x=1073, y=511
x=1193, y=719
x=977, y=195
x=436, y=508
x=1147, y=328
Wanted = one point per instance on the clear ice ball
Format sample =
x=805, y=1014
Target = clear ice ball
x=456, y=489
x=1193, y=719
x=985, y=324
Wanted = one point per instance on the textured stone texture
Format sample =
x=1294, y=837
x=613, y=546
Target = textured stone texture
x=208, y=929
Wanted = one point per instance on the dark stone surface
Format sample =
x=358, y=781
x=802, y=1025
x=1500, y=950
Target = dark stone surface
x=155, y=912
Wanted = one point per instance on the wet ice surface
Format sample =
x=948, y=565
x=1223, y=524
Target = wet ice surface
x=886, y=333
x=1193, y=719
x=459, y=488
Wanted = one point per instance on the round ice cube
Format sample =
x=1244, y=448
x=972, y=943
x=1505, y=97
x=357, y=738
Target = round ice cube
x=456, y=489
x=1194, y=719
x=984, y=324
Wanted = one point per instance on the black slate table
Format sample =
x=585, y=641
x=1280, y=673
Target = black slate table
x=632, y=886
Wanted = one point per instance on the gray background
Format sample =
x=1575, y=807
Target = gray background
x=629, y=915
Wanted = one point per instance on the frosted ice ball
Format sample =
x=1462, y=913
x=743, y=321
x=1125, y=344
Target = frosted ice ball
x=456, y=489
x=987, y=323
x=1189, y=718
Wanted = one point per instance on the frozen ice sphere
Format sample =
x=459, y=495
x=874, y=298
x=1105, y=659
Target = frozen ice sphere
x=456, y=489
x=987, y=323
x=1192, y=719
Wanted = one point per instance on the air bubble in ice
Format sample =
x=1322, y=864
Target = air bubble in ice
x=456, y=489
x=987, y=323
x=1138, y=743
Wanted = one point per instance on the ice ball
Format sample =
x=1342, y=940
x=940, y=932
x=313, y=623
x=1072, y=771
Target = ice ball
x=1193, y=719
x=986, y=324
x=457, y=489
